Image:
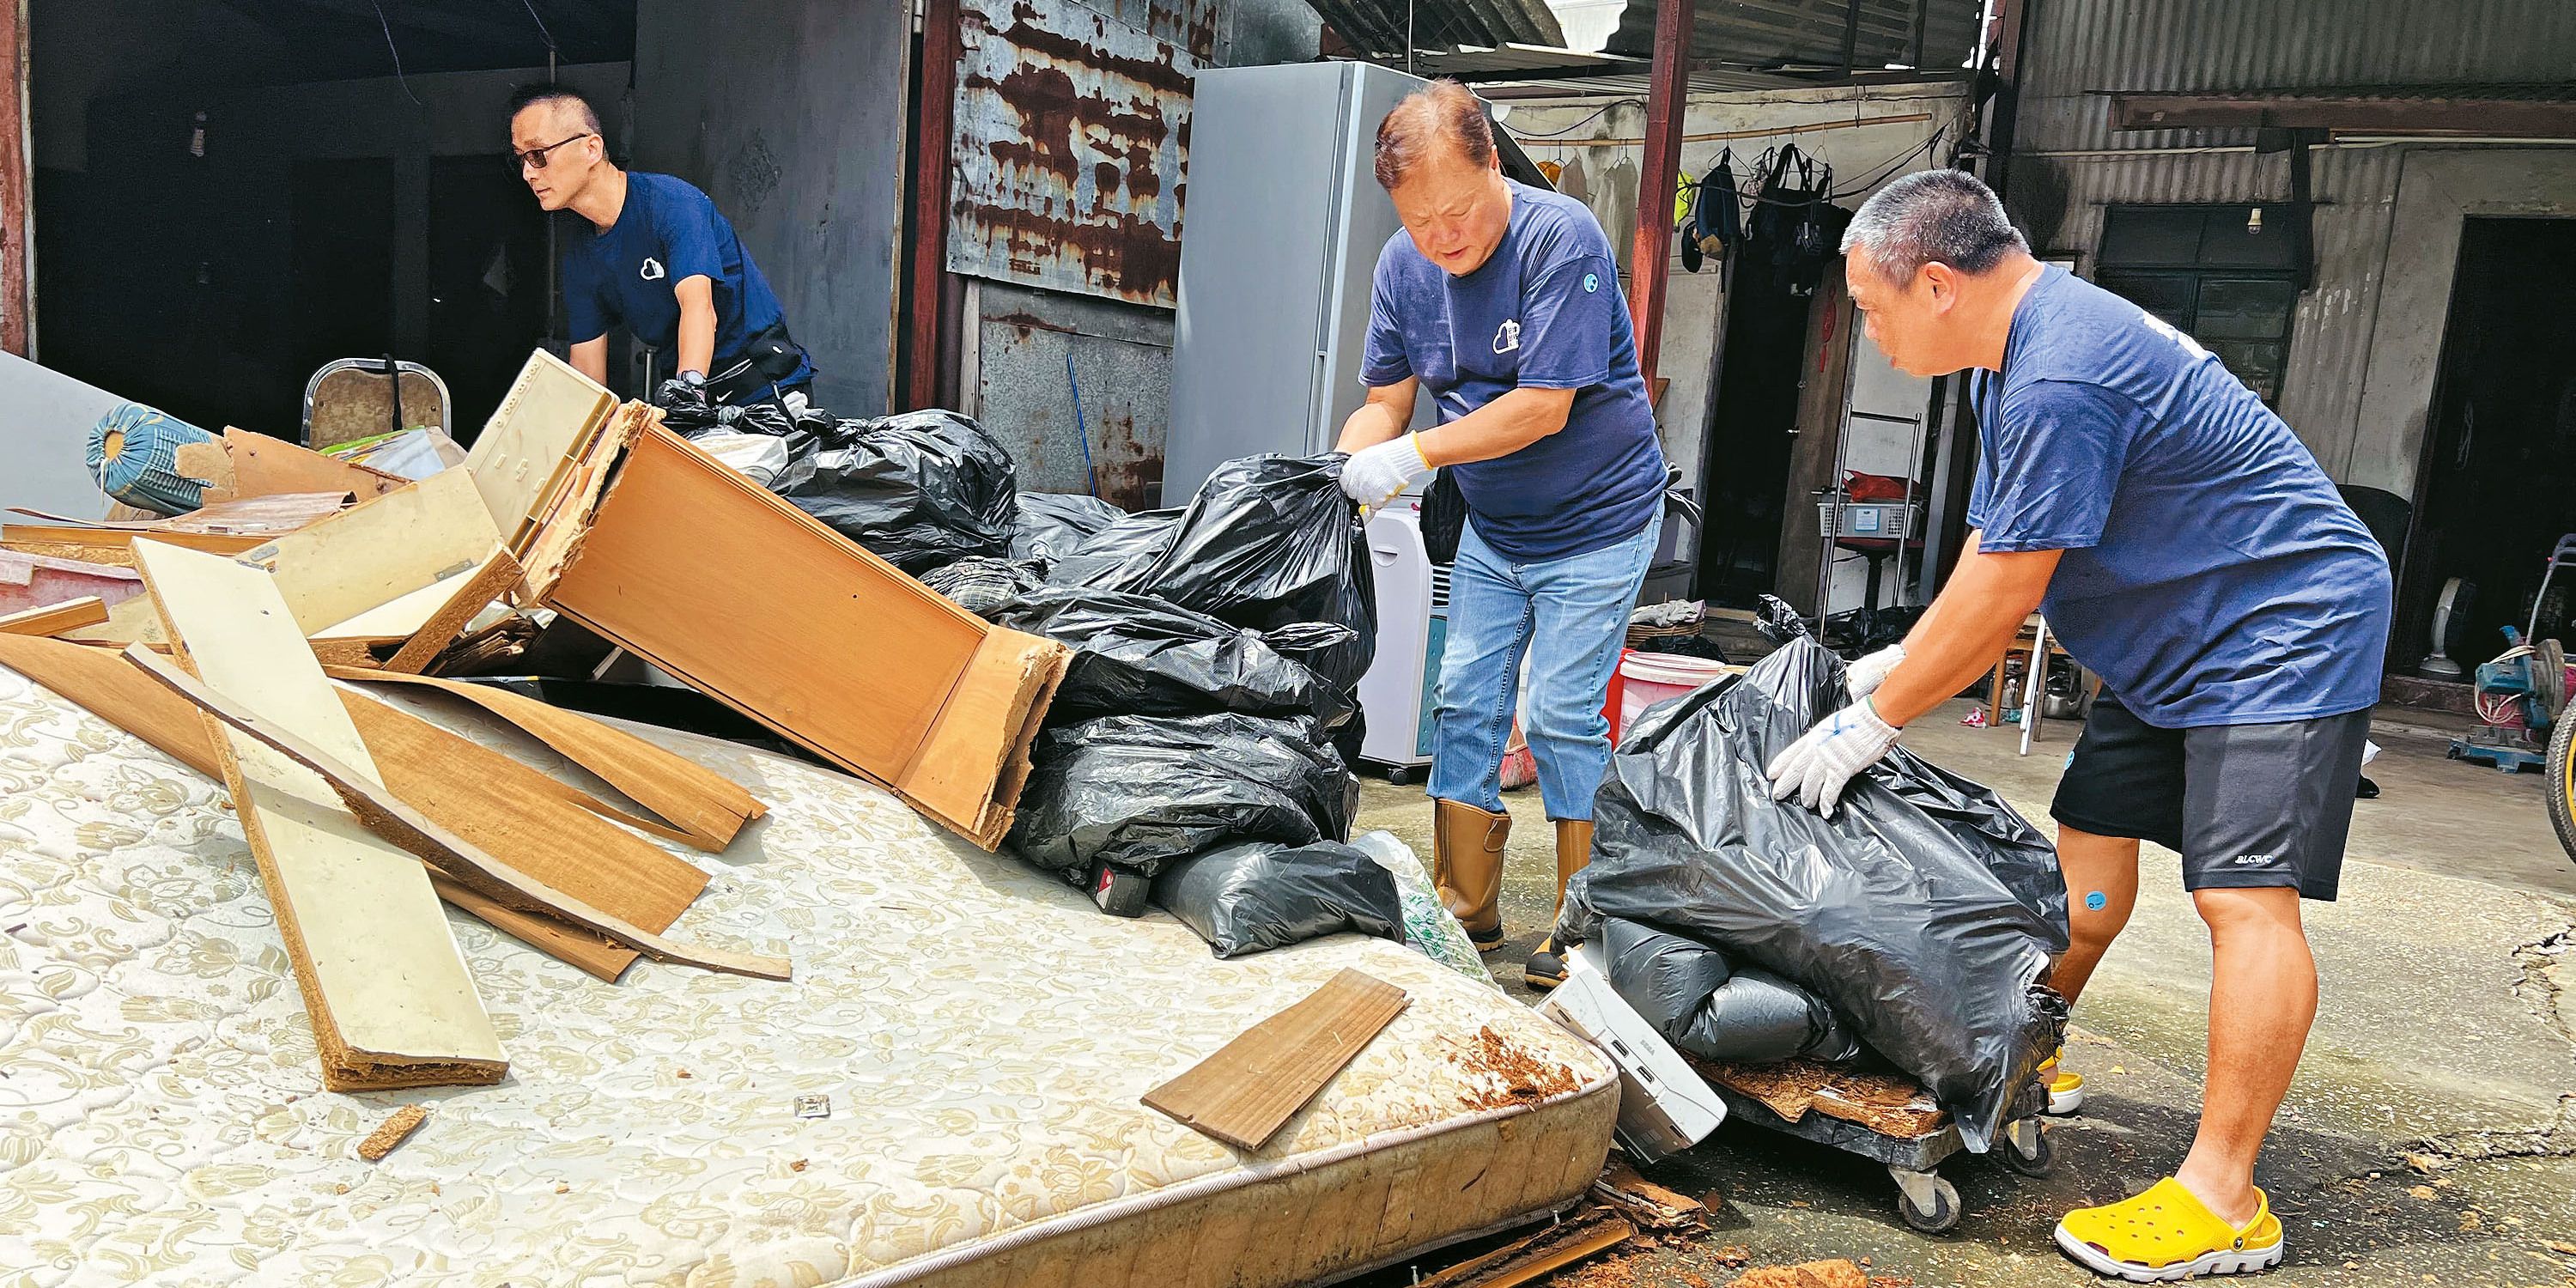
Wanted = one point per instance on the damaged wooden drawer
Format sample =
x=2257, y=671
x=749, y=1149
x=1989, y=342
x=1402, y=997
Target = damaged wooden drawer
x=706, y=574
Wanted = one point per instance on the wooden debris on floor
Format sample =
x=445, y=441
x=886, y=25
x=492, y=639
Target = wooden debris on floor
x=54, y=619
x=1245, y=1092
x=393, y=581
x=1648, y=1205
x=1885, y=1103
x=456, y=858
x=390, y=998
x=709, y=576
x=394, y=1131
x=1837, y=1273
x=695, y=805
x=1589, y=1231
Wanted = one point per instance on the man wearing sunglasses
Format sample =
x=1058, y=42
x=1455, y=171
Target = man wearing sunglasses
x=662, y=262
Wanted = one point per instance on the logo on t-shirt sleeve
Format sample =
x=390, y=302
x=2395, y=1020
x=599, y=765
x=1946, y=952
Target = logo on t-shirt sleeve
x=1591, y=282
x=653, y=270
x=1508, y=337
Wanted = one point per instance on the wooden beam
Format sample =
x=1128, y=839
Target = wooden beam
x=54, y=619
x=1251, y=1086
x=1649, y=266
x=389, y=995
x=933, y=119
x=455, y=857
x=2489, y=118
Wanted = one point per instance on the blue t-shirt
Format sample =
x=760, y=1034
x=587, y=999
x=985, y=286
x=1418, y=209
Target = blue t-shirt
x=1543, y=312
x=2212, y=574
x=668, y=231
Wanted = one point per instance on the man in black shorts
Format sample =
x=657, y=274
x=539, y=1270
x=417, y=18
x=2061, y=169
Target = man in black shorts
x=2190, y=551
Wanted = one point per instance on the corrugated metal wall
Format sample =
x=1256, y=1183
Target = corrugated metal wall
x=2069, y=165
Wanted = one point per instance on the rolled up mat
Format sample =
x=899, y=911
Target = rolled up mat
x=133, y=453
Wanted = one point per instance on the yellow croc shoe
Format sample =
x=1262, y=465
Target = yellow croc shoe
x=2065, y=1087
x=2167, y=1234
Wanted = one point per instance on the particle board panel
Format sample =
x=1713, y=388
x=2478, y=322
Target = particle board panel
x=550, y=413
x=376, y=553
x=709, y=576
x=701, y=807
x=472, y=595
x=54, y=619
x=391, y=1001
x=265, y=466
x=1245, y=1092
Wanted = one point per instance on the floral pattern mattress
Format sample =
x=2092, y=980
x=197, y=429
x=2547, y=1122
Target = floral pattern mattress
x=978, y=1032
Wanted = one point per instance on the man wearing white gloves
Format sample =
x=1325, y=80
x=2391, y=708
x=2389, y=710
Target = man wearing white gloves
x=2191, y=552
x=1502, y=301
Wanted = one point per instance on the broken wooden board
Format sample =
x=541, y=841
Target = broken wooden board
x=697, y=806
x=54, y=619
x=265, y=466
x=1648, y=1205
x=1526, y=1260
x=645, y=885
x=1245, y=1092
x=709, y=576
x=371, y=555
x=391, y=1001
x=31, y=581
x=455, y=857
x=550, y=414
x=394, y=1131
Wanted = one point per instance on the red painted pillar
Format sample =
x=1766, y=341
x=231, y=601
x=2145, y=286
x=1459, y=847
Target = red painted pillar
x=1665, y=100
x=941, y=36
x=17, y=183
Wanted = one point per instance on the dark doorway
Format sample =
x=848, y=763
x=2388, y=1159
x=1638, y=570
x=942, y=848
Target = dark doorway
x=488, y=285
x=1746, y=478
x=341, y=246
x=2497, y=482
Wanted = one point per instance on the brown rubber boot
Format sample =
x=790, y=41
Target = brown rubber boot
x=1467, y=866
x=1546, y=969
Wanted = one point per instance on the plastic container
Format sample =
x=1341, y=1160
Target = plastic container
x=1648, y=678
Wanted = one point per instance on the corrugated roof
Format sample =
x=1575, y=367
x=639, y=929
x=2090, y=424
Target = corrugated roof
x=1381, y=28
x=1751, y=35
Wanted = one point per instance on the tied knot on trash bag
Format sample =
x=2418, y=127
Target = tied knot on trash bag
x=1924, y=913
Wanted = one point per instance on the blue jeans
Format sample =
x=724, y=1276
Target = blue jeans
x=1571, y=616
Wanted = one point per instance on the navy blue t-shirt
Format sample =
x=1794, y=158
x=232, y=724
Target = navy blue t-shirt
x=1544, y=312
x=2212, y=574
x=668, y=231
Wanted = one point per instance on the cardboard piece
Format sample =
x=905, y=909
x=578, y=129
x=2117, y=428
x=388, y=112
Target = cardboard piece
x=391, y=1001
x=707, y=575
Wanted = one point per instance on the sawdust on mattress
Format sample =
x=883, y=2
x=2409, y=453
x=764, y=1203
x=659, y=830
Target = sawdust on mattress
x=1511, y=1075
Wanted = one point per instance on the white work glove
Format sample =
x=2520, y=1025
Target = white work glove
x=1376, y=475
x=1816, y=767
x=1865, y=675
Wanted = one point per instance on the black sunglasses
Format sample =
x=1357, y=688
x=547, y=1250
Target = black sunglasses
x=539, y=156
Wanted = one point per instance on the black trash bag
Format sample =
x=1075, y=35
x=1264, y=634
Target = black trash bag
x=984, y=585
x=1252, y=898
x=1138, y=655
x=1270, y=540
x=1110, y=558
x=921, y=489
x=1142, y=791
x=1925, y=911
x=1709, y=1008
x=1051, y=524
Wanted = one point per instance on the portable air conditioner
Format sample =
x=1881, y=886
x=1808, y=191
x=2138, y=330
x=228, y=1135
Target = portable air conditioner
x=1412, y=622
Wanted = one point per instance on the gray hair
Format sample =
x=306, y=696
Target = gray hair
x=1930, y=216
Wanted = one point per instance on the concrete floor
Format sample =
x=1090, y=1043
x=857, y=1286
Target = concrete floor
x=2448, y=1030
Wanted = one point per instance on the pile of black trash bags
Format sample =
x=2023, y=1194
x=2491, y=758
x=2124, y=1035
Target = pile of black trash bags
x=1191, y=752
x=1915, y=926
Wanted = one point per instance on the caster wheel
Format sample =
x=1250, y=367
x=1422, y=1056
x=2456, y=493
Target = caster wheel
x=2035, y=1161
x=1399, y=776
x=1936, y=1211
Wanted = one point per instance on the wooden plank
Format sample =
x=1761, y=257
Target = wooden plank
x=267, y=515
x=709, y=576
x=703, y=808
x=459, y=859
x=1245, y=1092
x=550, y=413
x=583, y=855
x=54, y=619
x=373, y=554
x=389, y=995
x=476, y=593
x=114, y=545
x=265, y=466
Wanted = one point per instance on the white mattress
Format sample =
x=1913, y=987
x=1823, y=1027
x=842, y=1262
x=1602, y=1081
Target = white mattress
x=982, y=1033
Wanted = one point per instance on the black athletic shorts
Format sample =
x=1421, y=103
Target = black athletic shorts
x=2248, y=805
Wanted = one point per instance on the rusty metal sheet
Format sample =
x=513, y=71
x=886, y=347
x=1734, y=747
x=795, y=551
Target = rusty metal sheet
x=1190, y=24
x=1072, y=129
x=1122, y=359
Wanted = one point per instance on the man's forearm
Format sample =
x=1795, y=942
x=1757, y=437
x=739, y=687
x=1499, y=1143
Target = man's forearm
x=1499, y=428
x=696, y=350
x=1372, y=424
x=1964, y=630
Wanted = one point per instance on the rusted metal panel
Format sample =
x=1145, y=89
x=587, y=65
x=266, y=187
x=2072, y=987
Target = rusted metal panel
x=1072, y=129
x=1190, y=24
x=1121, y=356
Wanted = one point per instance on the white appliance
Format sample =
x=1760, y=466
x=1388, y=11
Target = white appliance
x=1664, y=1107
x=1412, y=623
